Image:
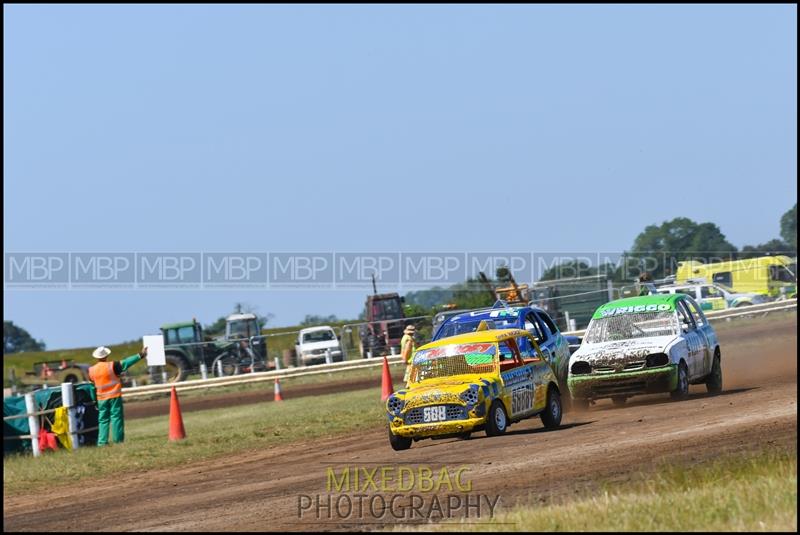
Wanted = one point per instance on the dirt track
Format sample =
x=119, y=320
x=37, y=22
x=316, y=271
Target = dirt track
x=259, y=490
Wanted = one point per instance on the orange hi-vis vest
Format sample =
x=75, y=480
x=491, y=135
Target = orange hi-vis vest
x=105, y=380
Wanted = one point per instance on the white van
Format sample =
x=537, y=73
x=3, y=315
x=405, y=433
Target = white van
x=312, y=344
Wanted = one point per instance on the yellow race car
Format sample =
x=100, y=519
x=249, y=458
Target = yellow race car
x=471, y=382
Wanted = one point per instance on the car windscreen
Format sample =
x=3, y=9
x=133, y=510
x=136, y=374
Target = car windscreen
x=781, y=274
x=318, y=336
x=455, y=359
x=452, y=328
x=630, y=326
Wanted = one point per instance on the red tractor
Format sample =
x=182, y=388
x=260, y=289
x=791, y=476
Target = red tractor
x=381, y=333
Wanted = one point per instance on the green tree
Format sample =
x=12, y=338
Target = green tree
x=786, y=246
x=568, y=270
x=771, y=248
x=429, y=298
x=314, y=319
x=659, y=248
x=17, y=339
x=789, y=227
x=573, y=269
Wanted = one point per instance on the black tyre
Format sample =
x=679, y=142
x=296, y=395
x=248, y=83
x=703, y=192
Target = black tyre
x=225, y=365
x=714, y=380
x=399, y=443
x=71, y=379
x=496, y=420
x=619, y=401
x=177, y=368
x=551, y=416
x=682, y=390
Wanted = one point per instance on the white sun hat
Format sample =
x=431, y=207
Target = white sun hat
x=101, y=352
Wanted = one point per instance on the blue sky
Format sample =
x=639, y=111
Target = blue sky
x=379, y=128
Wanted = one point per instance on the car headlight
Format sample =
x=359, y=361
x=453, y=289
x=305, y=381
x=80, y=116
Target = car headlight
x=394, y=404
x=470, y=396
x=581, y=368
x=657, y=359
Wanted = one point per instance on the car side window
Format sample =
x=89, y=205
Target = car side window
x=506, y=354
x=548, y=322
x=532, y=326
x=696, y=313
x=533, y=354
x=542, y=328
x=723, y=277
x=709, y=291
x=685, y=316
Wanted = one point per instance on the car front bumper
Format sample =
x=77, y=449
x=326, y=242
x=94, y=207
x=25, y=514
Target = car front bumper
x=596, y=386
x=319, y=357
x=429, y=430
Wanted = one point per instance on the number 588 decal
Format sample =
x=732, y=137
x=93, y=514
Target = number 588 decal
x=522, y=399
x=434, y=414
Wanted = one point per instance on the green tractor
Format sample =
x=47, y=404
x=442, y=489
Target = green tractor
x=186, y=347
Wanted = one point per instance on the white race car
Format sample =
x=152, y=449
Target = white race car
x=644, y=345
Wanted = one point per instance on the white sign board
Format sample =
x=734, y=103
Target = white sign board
x=155, y=349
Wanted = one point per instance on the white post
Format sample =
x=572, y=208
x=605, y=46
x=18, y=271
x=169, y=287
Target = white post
x=68, y=401
x=219, y=368
x=328, y=359
x=203, y=370
x=610, y=286
x=277, y=363
x=393, y=350
x=369, y=354
x=33, y=423
x=572, y=325
x=164, y=376
x=566, y=318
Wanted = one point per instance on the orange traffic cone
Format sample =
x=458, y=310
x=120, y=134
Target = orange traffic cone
x=386, y=381
x=278, y=396
x=176, y=431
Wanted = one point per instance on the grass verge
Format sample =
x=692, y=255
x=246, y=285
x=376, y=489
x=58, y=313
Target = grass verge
x=744, y=492
x=210, y=433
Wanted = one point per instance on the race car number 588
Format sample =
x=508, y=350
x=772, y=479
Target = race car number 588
x=434, y=414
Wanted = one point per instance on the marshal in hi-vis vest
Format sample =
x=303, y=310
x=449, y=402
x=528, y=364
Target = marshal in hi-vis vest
x=105, y=380
x=403, y=341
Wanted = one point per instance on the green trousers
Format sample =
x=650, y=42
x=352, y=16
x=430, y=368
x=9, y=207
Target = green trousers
x=110, y=410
